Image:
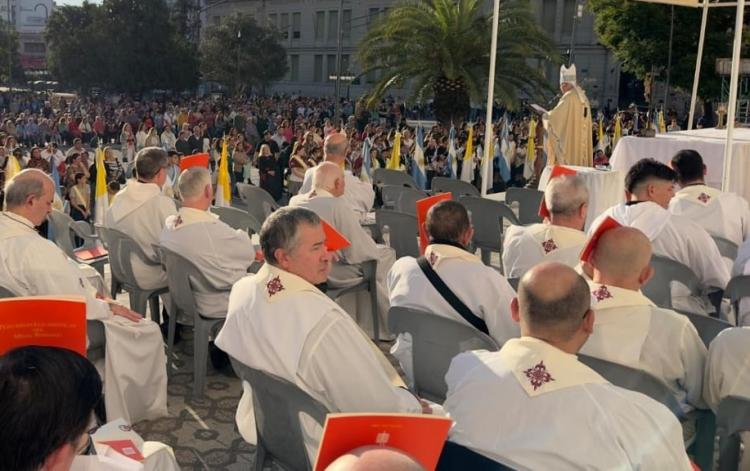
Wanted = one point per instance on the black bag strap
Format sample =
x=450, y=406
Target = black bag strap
x=451, y=297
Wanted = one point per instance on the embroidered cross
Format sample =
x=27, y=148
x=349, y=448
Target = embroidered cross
x=549, y=245
x=538, y=375
x=602, y=293
x=703, y=198
x=178, y=221
x=274, y=286
x=433, y=258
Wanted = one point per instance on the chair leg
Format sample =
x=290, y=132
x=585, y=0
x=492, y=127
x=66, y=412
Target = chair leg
x=703, y=446
x=138, y=302
x=153, y=304
x=170, y=338
x=260, y=455
x=99, y=267
x=200, y=355
x=115, y=287
x=486, y=256
x=375, y=310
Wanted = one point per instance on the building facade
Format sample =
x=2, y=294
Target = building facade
x=309, y=30
x=29, y=19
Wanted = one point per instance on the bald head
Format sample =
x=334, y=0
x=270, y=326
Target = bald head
x=552, y=302
x=329, y=177
x=334, y=148
x=621, y=256
x=373, y=458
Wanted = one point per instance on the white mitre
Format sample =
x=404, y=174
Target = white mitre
x=568, y=74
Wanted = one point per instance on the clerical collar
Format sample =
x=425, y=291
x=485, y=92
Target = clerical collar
x=447, y=242
x=694, y=184
x=19, y=219
x=633, y=203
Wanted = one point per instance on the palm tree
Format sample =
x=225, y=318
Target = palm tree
x=441, y=48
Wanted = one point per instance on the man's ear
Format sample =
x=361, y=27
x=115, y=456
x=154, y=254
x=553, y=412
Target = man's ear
x=588, y=322
x=515, y=313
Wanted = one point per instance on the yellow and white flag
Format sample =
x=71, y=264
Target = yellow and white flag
x=528, y=168
x=12, y=167
x=618, y=131
x=101, y=198
x=394, y=163
x=223, y=182
x=467, y=166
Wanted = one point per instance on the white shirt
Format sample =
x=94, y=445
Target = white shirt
x=358, y=194
x=727, y=367
x=220, y=253
x=533, y=407
x=630, y=330
x=281, y=324
x=526, y=246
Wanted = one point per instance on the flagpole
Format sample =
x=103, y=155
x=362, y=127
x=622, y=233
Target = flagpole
x=698, y=62
x=488, y=135
x=733, y=84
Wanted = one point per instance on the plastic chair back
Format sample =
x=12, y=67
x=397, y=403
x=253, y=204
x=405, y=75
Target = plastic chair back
x=666, y=271
x=455, y=457
x=727, y=248
x=259, y=202
x=435, y=341
x=708, y=327
x=278, y=406
x=514, y=283
x=237, y=219
x=6, y=293
x=369, y=283
x=528, y=201
x=732, y=417
x=60, y=223
x=402, y=230
x=457, y=188
x=386, y=176
x=402, y=198
x=738, y=288
x=487, y=218
x=121, y=246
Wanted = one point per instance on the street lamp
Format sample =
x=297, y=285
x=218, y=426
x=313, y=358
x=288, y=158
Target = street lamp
x=577, y=15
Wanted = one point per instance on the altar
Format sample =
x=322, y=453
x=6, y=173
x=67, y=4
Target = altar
x=709, y=143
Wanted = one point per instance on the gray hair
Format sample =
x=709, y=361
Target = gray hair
x=325, y=174
x=28, y=182
x=193, y=181
x=149, y=161
x=331, y=148
x=281, y=229
x=565, y=194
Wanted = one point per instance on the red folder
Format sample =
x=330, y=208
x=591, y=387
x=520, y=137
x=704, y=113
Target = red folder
x=126, y=448
x=557, y=171
x=43, y=321
x=420, y=436
x=195, y=160
x=607, y=224
x=91, y=253
x=423, y=206
x=334, y=239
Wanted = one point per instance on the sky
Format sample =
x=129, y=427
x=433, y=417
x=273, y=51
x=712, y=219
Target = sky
x=74, y=2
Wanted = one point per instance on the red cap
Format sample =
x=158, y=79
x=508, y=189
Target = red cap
x=195, y=160
x=606, y=225
x=557, y=171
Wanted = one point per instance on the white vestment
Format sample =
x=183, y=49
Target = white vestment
x=345, y=272
x=630, y=330
x=742, y=267
x=481, y=288
x=526, y=246
x=139, y=210
x=135, y=375
x=220, y=253
x=281, y=324
x=568, y=125
x=358, y=194
x=531, y=406
x=727, y=367
x=677, y=238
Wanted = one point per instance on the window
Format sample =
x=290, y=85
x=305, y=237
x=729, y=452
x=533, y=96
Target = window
x=346, y=27
x=284, y=25
x=373, y=17
x=331, y=60
x=333, y=25
x=296, y=25
x=294, y=68
x=216, y=20
x=344, y=64
x=272, y=20
x=34, y=48
x=318, y=71
x=320, y=25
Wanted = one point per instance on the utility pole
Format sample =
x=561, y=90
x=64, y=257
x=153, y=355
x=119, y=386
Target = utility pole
x=10, y=48
x=239, y=48
x=339, y=41
x=669, y=60
x=576, y=15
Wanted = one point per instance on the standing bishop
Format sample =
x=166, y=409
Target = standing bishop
x=569, y=139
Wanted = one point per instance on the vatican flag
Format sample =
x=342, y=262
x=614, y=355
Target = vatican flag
x=12, y=167
x=394, y=163
x=467, y=167
x=101, y=198
x=223, y=182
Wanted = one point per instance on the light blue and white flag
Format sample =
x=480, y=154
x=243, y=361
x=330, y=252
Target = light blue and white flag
x=418, y=173
x=452, y=151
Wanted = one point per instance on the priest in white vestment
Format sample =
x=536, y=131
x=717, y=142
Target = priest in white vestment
x=533, y=405
x=220, y=253
x=358, y=194
x=560, y=238
x=650, y=188
x=327, y=202
x=280, y=323
x=742, y=267
x=140, y=210
x=134, y=370
x=631, y=330
x=568, y=125
x=481, y=288
x=727, y=367
x=720, y=213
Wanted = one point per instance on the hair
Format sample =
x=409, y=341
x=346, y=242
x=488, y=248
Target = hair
x=78, y=176
x=688, y=164
x=334, y=148
x=565, y=194
x=48, y=397
x=114, y=186
x=560, y=315
x=28, y=182
x=448, y=221
x=646, y=170
x=281, y=228
x=149, y=161
x=192, y=182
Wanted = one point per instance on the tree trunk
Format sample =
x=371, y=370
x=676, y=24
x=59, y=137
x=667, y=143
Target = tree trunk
x=451, y=101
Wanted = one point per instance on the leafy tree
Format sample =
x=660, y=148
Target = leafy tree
x=442, y=47
x=9, y=52
x=638, y=34
x=239, y=52
x=186, y=19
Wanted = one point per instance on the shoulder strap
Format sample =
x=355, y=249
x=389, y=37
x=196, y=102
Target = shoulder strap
x=451, y=297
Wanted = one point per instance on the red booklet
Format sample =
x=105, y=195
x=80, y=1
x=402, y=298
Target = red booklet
x=557, y=171
x=423, y=206
x=126, y=448
x=43, y=321
x=91, y=253
x=419, y=436
x=607, y=224
x=195, y=160
x=334, y=239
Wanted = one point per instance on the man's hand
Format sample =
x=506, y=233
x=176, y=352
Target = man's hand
x=122, y=311
x=426, y=409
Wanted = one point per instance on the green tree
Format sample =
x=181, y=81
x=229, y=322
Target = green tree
x=442, y=48
x=638, y=34
x=9, y=55
x=185, y=15
x=240, y=53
